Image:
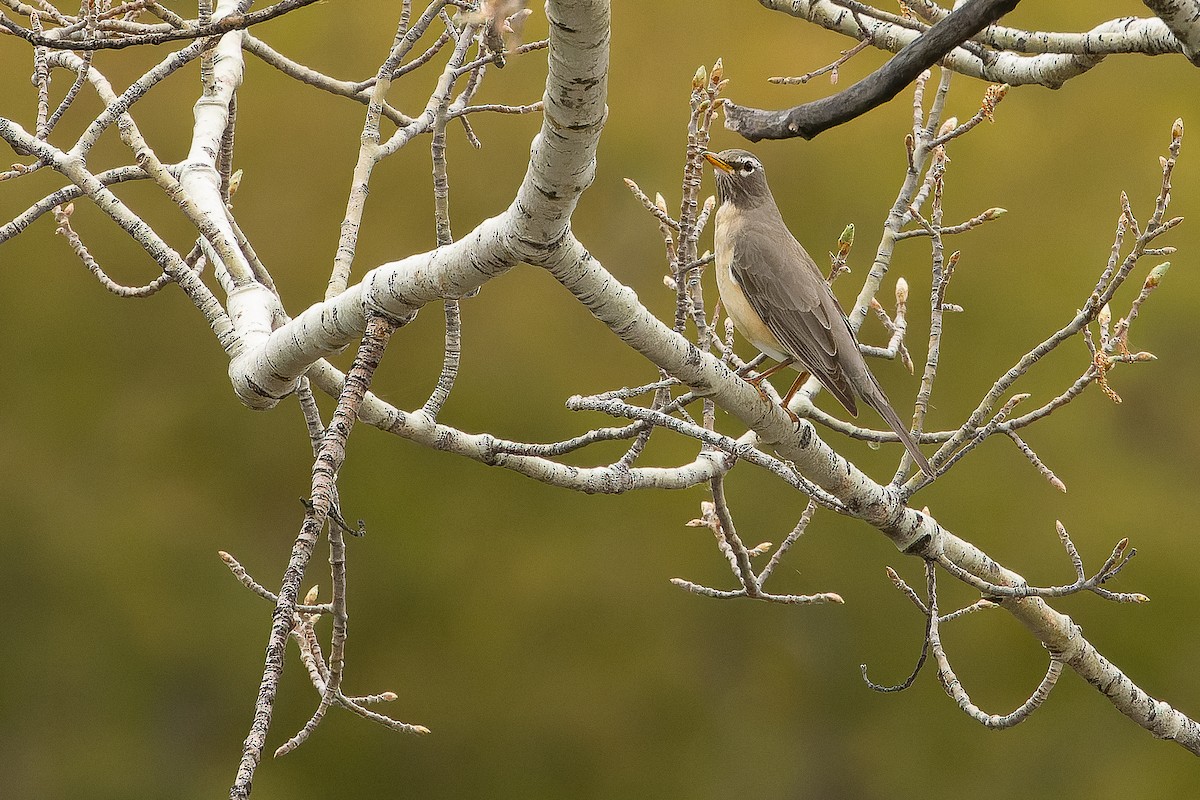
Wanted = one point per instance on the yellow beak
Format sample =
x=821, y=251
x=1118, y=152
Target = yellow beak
x=713, y=159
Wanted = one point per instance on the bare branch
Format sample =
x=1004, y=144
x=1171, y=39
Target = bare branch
x=273, y=354
x=1121, y=555
x=62, y=39
x=325, y=469
x=810, y=119
x=1181, y=18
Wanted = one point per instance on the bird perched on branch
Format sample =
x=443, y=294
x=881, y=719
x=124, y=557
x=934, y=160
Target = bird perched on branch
x=778, y=299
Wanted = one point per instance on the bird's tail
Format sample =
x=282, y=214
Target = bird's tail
x=878, y=401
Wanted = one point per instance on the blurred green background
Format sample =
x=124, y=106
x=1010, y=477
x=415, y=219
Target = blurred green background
x=532, y=629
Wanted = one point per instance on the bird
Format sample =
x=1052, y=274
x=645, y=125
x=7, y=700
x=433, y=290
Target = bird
x=778, y=299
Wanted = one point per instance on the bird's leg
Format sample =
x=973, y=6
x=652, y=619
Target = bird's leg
x=800, y=379
x=757, y=380
x=766, y=373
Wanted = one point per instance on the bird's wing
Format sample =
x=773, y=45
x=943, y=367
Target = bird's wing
x=800, y=309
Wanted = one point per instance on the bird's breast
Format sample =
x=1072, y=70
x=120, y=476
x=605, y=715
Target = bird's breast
x=737, y=306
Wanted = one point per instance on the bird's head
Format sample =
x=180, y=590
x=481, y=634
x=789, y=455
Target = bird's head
x=740, y=178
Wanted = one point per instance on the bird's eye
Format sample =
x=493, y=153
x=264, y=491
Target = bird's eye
x=748, y=167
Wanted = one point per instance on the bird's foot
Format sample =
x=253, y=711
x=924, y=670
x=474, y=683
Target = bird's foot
x=757, y=382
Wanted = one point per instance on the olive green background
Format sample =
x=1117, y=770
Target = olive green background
x=532, y=629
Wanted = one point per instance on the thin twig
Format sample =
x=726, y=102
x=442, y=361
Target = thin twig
x=325, y=470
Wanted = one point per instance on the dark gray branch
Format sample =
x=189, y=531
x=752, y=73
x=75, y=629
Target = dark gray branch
x=809, y=119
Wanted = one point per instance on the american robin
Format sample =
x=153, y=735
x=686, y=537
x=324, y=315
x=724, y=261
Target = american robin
x=779, y=300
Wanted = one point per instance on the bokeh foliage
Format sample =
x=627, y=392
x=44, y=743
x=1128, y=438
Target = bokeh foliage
x=532, y=629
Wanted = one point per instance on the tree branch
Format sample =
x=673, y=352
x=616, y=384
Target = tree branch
x=1182, y=17
x=272, y=355
x=810, y=119
x=61, y=39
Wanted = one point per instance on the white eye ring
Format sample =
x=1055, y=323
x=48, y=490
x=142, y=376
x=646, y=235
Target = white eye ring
x=748, y=167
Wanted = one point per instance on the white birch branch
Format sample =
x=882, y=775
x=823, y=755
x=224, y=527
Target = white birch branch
x=1056, y=58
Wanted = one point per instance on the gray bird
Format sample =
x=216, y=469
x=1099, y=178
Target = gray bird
x=778, y=299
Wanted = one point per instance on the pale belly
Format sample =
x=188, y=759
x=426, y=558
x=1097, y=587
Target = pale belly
x=736, y=305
